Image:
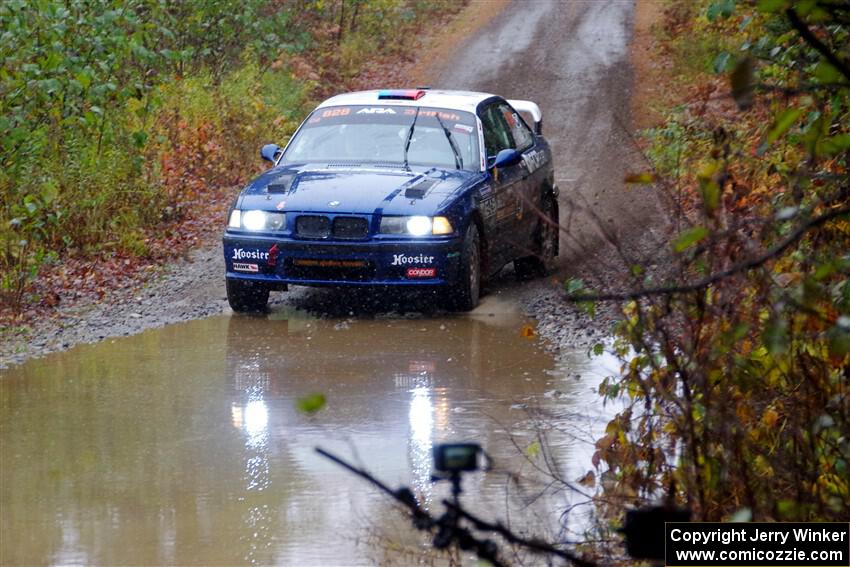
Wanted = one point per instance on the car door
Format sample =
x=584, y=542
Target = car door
x=502, y=209
x=530, y=191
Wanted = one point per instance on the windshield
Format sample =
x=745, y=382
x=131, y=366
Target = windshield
x=379, y=134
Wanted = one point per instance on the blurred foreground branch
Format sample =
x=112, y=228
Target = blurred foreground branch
x=448, y=530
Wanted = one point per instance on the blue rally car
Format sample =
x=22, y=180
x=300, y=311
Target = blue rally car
x=401, y=188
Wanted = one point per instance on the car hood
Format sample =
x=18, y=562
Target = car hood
x=357, y=190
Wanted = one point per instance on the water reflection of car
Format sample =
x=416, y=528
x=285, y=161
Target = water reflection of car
x=410, y=188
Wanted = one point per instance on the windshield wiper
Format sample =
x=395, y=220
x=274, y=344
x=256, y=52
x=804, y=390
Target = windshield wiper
x=452, y=143
x=410, y=137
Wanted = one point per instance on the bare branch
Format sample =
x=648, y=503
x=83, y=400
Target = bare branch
x=374, y=481
x=816, y=43
x=714, y=278
x=532, y=544
x=466, y=540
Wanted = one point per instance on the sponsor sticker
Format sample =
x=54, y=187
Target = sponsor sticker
x=488, y=207
x=376, y=111
x=329, y=263
x=534, y=160
x=240, y=267
x=421, y=272
x=242, y=254
x=451, y=116
x=334, y=112
x=404, y=259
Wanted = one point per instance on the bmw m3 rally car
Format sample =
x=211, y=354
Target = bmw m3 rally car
x=401, y=188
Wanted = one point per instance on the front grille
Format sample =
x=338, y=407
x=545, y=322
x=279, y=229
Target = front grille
x=350, y=227
x=319, y=226
x=309, y=226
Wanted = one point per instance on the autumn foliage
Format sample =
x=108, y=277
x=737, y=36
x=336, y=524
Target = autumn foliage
x=736, y=365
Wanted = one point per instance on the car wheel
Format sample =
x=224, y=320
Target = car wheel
x=466, y=290
x=246, y=297
x=545, y=242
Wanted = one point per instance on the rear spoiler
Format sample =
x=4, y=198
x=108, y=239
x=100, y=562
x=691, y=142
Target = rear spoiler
x=530, y=113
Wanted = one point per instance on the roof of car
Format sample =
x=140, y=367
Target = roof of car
x=454, y=100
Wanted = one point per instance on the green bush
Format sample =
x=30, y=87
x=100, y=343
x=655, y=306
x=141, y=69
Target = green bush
x=80, y=92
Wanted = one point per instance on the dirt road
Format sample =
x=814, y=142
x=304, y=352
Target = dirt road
x=571, y=57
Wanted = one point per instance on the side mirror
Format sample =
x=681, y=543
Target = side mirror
x=269, y=152
x=507, y=158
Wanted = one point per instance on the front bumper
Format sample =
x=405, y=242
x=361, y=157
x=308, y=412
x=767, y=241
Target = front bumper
x=278, y=262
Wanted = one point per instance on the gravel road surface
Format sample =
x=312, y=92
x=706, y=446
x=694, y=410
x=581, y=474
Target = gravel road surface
x=572, y=58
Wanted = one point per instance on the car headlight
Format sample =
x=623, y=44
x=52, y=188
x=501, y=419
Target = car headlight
x=419, y=226
x=256, y=220
x=416, y=225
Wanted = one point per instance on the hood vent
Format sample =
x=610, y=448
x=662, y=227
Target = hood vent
x=419, y=190
x=280, y=185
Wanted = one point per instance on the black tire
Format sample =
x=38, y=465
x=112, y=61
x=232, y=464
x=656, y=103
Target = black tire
x=546, y=235
x=247, y=297
x=465, y=292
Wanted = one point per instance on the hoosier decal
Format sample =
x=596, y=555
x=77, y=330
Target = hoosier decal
x=402, y=259
x=242, y=254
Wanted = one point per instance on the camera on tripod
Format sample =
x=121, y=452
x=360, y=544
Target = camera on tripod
x=454, y=458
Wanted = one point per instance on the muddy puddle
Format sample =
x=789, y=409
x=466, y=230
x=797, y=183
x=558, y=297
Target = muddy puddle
x=183, y=445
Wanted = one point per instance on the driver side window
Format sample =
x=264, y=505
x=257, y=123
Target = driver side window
x=497, y=135
x=522, y=136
